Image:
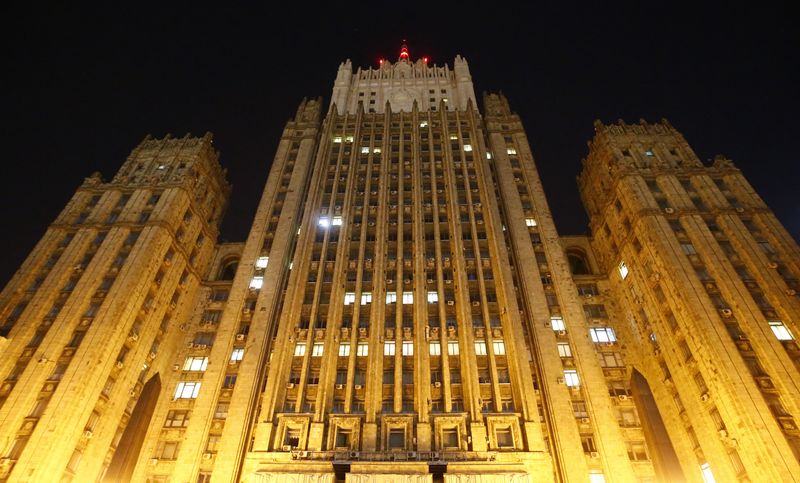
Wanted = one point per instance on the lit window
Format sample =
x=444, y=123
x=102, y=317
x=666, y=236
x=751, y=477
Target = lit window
x=433, y=297
x=408, y=348
x=530, y=222
x=376, y=150
x=349, y=298
x=480, y=347
x=348, y=139
x=391, y=297
x=365, y=150
x=300, y=349
x=499, y=347
x=337, y=139
x=623, y=270
x=187, y=390
x=423, y=124
x=708, y=476
x=435, y=348
x=388, y=348
x=488, y=155
x=602, y=334
x=256, y=282
x=780, y=330
x=317, y=349
x=453, y=137
x=366, y=298
x=452, y=347
x=596, y=477
x=336, y=221
x=262, y=262
x=564, y=350
x=511, y=151
x=344, y=349
x=195, y=364
x=237, y=354
x=571, y=378
x=467, y=147
x=362, y=350
x=324, y=222
x=408, y=297
x=291, y=265
x=557, y=323
x=648, y=153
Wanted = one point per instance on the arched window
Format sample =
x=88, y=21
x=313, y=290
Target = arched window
x=577, y=263
x=228, y=269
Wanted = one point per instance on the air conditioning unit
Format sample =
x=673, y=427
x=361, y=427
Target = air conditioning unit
x=723, y=433
x=245, y=311
x=450, y=302
x=622, y=397
x=239, y=336
x=585, y=420
x=151, y=355
x=546, y=322
x=669, y=210
x=389, y=281
x=704, y=396
x=726, y=312
x=437, y=384
x=133, y=337
x=358, y=386
x=430, y=280
x=88, y=434
x=208, y=456
x=740, y=210
x=560, y=380
x=448, y=281
x=354, y=455
x=562, y=332
x=340, y=386
x=290, y=385
x=772, y=265
x=594, y=455
x=132, y=393
x=286, y=447
x=153, y=461
x=119, y=365
x=407, y=281
x=176, y=367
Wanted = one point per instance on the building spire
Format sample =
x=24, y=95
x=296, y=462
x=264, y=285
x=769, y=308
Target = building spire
x=404, y=52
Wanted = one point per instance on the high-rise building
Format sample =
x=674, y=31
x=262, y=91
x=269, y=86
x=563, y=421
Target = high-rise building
x=403, y=309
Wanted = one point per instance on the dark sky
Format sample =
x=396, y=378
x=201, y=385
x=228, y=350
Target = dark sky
x=80, y=88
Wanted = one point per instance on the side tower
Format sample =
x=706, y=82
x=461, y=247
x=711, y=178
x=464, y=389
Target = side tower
x=91, y=318
x=707, y=280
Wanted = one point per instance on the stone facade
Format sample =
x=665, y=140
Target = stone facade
x=403, y=309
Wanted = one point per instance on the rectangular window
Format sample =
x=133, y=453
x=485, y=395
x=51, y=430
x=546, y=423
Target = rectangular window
x=397, y=438
x=480, y=347
x=237, y=354
x=433, y=297
x=623, y=270
x=344, y=350
x=300, y=349
x=257, y=282
x=602, y=334
x=187, y=390
x=408, y=348
x=262, y=262
x=435, y=348
x=349, y=298
x=450, y=438
x=391, y=297
x=511, y=151
x=557, y=323
x=571, y=378
x=564, y=349
x=317, y=349
x=452, y=347
x=530, y=222
x=195, y=364
x=781, y=331
x=366, y=298
x=229, y=381
x=504, y=437
x=388, y=348
x=167, y=450
x=336, y=221
x=177, y=419
x=362, y=349
x=499, y=347
x=408, y=298
x=221, y=412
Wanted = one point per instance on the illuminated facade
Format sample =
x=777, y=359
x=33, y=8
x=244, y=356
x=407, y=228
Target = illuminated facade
x=404, y=309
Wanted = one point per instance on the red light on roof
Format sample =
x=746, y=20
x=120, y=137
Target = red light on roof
x=381, y=61
x=404, y=51
x=425, y=60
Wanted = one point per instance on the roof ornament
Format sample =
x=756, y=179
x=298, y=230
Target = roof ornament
x=404, y=52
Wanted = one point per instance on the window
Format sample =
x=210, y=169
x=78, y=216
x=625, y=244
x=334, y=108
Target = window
x=257, y=282
x=195, y=364
x=610, y=359
x=177, y=419
x=337, y=139
x=780, y=330
x=623, y=270
x=596, y=477
x=450, y=438
x=292, y=437
x=511, y=151
x=391, y=297
x=505, y=439
x=557, y=323
x=467, y=147
x=324, y=222
x=229, y=381
x=688, y=249
x=350, y=298
x=408, y=348
x=480, y=347
x=499, y=347
x=167, y=450
x=435, y=348
x=530, y=222
x=362, y=349
x=571, y=378
x=636, y=450
x=343, y=438
x=408, y=297
x=336, y=221
x=187, y=390
x=237, y=354
x=262, y=262
x=344, y=350
x=564, y=349
x=317, y=349
x=300, y=349
x=433, y=297
x=221, y=412
x=452, y=347
x=366, y=298
x=602, y=334
x=388, y=348
x=708, y=477
x=397, y=438
x=364, y=149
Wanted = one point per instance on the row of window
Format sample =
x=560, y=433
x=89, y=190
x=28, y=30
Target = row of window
x=362, y=348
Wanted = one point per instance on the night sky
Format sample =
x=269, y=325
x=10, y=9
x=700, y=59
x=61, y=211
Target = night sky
x=82, y=87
